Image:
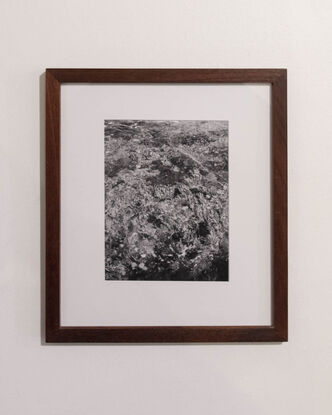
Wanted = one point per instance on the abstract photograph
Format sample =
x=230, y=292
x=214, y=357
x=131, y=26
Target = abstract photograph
x=166, y=200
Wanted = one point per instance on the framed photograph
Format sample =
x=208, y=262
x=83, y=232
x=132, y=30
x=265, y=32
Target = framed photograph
x=166, y=205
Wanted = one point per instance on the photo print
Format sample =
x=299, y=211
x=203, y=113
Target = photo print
x=166, y=200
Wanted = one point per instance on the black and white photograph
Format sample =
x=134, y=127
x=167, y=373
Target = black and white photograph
x=166, y=200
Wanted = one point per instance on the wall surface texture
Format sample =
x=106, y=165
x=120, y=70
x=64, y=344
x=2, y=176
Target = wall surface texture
x=251, y=379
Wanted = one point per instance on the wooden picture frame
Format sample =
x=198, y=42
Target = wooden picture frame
x=277, y=331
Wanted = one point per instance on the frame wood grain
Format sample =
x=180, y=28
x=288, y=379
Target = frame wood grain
x=277, y=332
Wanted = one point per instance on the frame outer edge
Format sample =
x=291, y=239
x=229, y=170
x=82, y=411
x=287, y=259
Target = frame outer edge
x=279, y=206
x=278, y=330
x=52, y=206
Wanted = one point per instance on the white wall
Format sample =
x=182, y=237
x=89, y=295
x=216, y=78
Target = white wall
x=251, y=379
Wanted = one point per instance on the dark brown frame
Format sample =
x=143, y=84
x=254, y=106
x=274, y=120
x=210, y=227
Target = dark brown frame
x=277, y=332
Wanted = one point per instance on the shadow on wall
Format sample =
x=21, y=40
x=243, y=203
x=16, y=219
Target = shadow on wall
x=42, y=148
